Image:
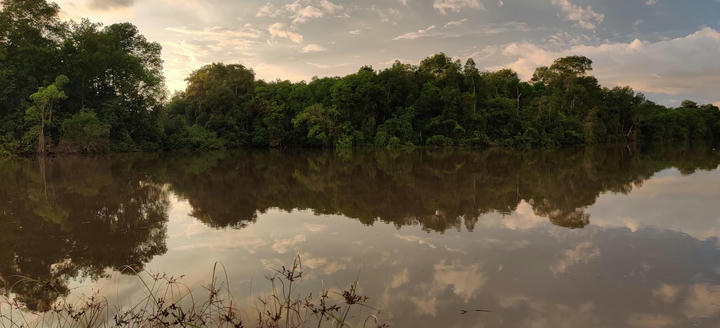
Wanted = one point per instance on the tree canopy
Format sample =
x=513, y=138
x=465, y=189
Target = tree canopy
x=116, y=100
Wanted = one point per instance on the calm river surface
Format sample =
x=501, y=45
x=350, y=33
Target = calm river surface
x=574, y=238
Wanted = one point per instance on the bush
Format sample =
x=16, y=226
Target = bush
x=439, y=140
x=200, y=138
x=85, y=133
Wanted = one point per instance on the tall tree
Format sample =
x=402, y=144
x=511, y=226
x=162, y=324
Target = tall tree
x=41, y=111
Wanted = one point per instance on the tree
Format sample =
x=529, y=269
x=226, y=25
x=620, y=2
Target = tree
x=688, y=104
x=41, y=110
x=29, y=34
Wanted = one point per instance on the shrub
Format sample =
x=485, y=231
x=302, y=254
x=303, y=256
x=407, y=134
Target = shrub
x=84, y=132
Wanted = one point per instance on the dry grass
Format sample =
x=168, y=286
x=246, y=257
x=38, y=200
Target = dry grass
x=167, y=302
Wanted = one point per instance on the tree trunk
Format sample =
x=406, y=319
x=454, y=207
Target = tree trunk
x=41, y=138
x=474, y=96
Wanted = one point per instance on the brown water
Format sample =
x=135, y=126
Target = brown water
x=582, y=238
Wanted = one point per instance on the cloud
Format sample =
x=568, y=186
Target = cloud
x=313, y=48
x=268, y=10
x=414, y=35
x=443, y=6
x=280, y=30
x=300, y=11
x=302, y=14
x=651, y=2
x=651, y=67
x=585, y=17
x=582, y=253
x=327, y=66
x=109, y=4
x=455, y=23
x=354, y=32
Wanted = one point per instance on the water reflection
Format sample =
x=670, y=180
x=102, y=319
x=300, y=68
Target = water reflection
x=439, y=190
x=502, y=217
x=66, y=217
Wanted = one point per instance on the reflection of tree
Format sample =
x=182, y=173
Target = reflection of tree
x=81, y=217
x=439, y=190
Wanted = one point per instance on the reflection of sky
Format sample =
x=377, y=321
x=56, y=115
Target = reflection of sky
x=648, y=259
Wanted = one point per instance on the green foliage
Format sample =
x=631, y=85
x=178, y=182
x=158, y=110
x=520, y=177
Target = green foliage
x=113, y=70
x=84, y=132
x=116, y=72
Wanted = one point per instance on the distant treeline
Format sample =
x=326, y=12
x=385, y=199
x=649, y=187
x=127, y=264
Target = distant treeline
x=81, y=87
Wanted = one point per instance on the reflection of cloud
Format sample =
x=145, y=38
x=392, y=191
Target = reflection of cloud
x=523, y=218
x=691, y=197
x=465, y=281
x=543, y=314
x=666, y=293
x=283, y=245
x=315, y=227
x=415, y=239
x=650, y=320
x=703, y=301
x=321, y=263
x=582, y=253
x=400, y=278
x=228, y=242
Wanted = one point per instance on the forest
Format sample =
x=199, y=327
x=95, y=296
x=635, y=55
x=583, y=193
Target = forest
x=81, y=87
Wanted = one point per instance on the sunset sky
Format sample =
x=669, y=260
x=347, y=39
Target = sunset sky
x=667, y=49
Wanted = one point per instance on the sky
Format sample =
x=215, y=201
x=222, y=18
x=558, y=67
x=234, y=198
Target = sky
x=667, y=49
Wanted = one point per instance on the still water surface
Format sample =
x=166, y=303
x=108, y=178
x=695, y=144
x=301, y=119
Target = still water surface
x=575, y=238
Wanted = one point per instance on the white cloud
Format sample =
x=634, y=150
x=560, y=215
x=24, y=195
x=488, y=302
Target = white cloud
x=646, y=66
x=585, y=17
x=302, y=14
x=300, y=11
x=110, y=4
x=327, y=66
x=456, y=23
x=414, y=35
x=313, y=48
x=280, y=30
x=268, y=10
x=355, y=32
x=651, y=2
x=443, y=6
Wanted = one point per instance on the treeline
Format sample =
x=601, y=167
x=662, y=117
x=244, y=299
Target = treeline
x=82, y=87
